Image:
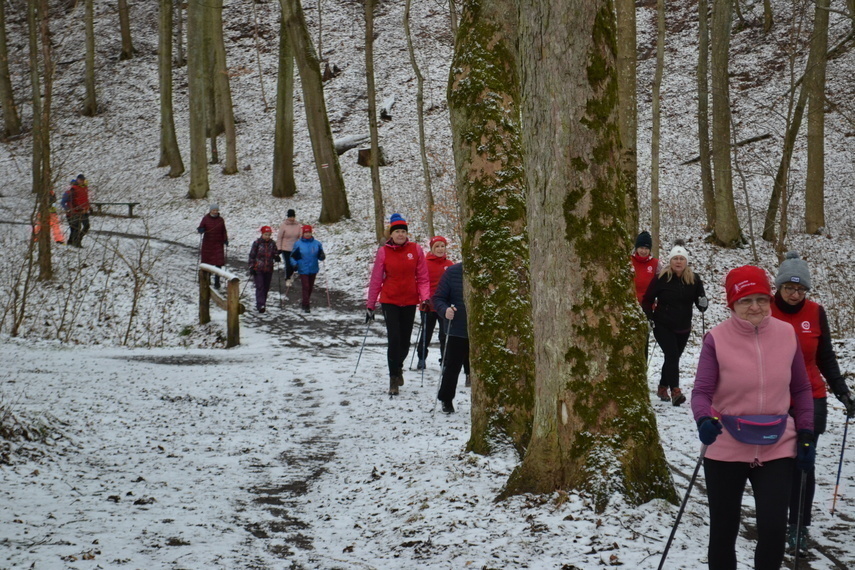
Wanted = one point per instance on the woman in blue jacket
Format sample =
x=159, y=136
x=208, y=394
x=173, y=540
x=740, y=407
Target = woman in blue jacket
x=449, y=305
x=305, y=255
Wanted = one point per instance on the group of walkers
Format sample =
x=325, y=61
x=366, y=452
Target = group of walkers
x=295, y=247
x=403, y=280
x=759, y=399
x=75, y=203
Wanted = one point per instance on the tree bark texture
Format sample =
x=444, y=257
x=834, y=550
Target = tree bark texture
x=483, y=98
x=225, y=116
x=125, y=26
x=727, y=231
x=655, y=222
x=45, y=183
x=627, y=85
x=170, y=154
x=374, y=161
x=180, y=59
x=198, y=95
x=593, y=429
x=420, y=110
x=35, y=90
x=284, y=184
x=707, y=188
x=11, y=120
x=815, y=84
x=334, y=205
x=768, y=16
x=90, y=103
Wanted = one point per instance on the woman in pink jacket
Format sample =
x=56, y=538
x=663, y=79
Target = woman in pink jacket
x=750, y=370
x=400, y=280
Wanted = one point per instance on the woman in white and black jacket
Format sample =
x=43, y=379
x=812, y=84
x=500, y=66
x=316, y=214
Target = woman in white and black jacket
x=668, y=304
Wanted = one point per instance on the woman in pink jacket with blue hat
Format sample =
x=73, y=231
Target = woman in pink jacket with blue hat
x=751, y=371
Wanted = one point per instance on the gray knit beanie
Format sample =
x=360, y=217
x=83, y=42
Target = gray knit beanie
x=793, y=270
x=213, y=206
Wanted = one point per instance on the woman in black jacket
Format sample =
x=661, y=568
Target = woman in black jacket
x=668, y=304
x=449, y=305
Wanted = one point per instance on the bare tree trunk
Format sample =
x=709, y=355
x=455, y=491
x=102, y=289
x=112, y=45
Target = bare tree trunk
x=768, y=17
x=222, y=89
x=626, y=62
x=44, y=182
x=420, y=109
x=284, y=184
x=11, y=121
x=334, y=205
x=125, y=26
x=739, y=16
x=655, y=222
x=593, y=429
x=35, y=91
x=321, y=30
x=815, y=85
x=452, y=9
x=374, y=162
x=850, y=4
x=198, y=95
x=90, y=104
x=704, y=113
x=483, y=100
x=170, y=154
x=727, y=231
x=180, y=58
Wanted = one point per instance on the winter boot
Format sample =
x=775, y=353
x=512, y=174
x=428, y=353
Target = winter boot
x=468, y=383
x=662, y=392
x=801, y=540
x=447, y=407
x=421, y=365
x=399, y=377
x=677, y=396
x=393, y=385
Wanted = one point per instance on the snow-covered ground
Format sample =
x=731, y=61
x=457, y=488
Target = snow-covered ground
x=171, y=452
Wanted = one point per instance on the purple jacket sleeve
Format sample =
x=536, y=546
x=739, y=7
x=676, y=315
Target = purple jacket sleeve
x=801, y=393
x=422, y=277
x=706, y=379
x=376, y=281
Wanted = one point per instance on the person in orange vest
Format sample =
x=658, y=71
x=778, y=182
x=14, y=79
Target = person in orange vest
x=792, y=306
x=53, y=219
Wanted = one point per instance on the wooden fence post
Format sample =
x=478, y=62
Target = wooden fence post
x=233, y=313
x=204, y=296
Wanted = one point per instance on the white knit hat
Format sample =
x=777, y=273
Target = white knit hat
x=678, y=250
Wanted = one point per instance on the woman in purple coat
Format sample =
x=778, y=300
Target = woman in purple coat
x=214, y=238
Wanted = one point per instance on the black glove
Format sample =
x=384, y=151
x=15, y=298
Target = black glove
x=369, y=315
x=226, y=242
x=703, y=303
x=847, y=400
x=321, y=255
x=252, y=272
x=200, y=230
x=708, y=430
x=806, y=451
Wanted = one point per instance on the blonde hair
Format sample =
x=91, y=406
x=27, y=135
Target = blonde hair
x=688, y=275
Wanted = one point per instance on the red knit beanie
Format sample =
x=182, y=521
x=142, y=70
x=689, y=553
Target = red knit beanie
x=435, y=239
x=307, y=229
x=744, y=281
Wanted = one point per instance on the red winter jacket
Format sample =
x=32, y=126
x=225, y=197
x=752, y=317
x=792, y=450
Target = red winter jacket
x=214, y=237
x=436, y=267
x=79, y=203
x=644, y=272
x=399, y=277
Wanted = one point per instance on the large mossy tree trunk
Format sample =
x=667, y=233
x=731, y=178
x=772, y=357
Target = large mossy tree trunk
x=334, y=205
x=125, y=26
x=484, y=98
x=11, y=120
x=627, y=83
x=374, y=161
x=703, y=77
x=594, y=429
x=727, y=231
x=90, y=103
x=170, y=154
x=815, y=85
x=198, y=95
x=224, y=110
x=284, y=184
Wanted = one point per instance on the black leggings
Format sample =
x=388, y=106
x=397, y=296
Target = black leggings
x=673, y=344
x=399, y=329
x=725, y=487
x=456, y=356
x=429, y=320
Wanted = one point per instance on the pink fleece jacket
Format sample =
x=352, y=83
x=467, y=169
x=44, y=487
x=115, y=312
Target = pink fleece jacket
x=399, y=276
x=746, y=370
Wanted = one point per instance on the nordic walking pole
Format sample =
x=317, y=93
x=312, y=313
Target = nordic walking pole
x=413, y=355
x=279, y=281
x=802, y=486
x=444, y=361
x=683, y=506
x=364, y=338
x=424, y=347
x=840, y=465
x=201, y=237
x=327, y=284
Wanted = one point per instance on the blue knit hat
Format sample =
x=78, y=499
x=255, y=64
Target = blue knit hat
x=397, y=222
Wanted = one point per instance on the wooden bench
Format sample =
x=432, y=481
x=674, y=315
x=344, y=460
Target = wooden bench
x=99, y=205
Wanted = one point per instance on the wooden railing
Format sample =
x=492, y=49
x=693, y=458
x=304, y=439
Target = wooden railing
x=231, y=304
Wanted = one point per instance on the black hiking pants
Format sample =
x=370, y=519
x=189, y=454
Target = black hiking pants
x=399, y=329
x=672, y=344
x=456, y=355
x=429, y=321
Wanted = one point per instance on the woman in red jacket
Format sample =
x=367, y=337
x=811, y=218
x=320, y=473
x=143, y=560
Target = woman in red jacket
x=811, y=325
x=400, y=280
x=437, y=262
